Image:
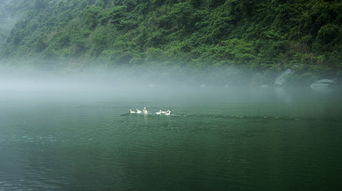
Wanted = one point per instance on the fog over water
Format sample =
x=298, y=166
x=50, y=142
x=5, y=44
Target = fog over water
x=134, y=78
x=171, y=86
x=69, y=129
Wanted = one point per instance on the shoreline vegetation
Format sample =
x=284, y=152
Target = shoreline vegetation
x=262, y=38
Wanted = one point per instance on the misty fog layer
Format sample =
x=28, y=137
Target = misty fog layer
x=142, y=78
x=145, y=79
x=220, y=91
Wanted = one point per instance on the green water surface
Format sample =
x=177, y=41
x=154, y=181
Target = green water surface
x=264, y=139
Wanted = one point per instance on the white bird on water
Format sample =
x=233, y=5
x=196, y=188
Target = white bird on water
x=159, y=112
x=145, y=111
x=168, y=112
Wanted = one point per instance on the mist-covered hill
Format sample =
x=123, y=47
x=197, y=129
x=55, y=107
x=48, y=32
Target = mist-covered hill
x=306, y=34
x=5, y=24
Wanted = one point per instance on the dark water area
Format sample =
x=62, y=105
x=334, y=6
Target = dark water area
x=232, y=139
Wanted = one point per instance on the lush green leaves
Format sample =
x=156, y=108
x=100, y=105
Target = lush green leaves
x=260, y=33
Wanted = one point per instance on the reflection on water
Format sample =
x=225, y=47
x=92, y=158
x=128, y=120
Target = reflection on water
x=242, y=139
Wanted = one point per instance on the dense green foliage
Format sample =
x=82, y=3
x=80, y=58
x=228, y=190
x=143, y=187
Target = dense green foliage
x=253, y=33
x=4, y=23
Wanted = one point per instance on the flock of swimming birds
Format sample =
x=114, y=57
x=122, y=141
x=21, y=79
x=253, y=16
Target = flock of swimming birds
x=145, y=112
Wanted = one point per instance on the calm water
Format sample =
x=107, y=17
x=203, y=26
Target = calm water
x=265, y=139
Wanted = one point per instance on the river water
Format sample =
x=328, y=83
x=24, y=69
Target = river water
x=232, y=139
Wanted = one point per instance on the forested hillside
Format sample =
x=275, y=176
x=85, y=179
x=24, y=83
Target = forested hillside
x=5, y=25
x=253, y=33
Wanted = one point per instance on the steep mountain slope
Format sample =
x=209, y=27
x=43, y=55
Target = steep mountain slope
x=5, y=22
x=259, y=34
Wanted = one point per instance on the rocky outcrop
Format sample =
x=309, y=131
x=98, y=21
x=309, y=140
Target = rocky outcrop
x=283, y=78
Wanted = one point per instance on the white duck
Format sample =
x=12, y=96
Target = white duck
x=145, y=111
x=138, y=111
x=159, y=112
x=132, y=111
x=168, y=112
